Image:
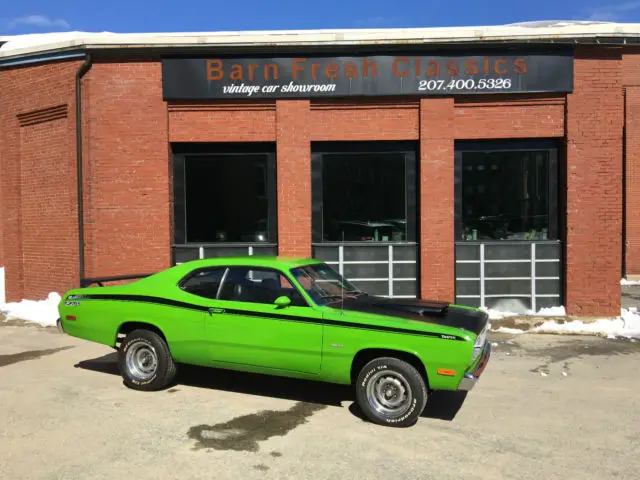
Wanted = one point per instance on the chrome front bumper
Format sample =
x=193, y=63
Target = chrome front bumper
x=472, y=375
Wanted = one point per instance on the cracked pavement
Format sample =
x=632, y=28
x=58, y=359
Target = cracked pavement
x=546, y=407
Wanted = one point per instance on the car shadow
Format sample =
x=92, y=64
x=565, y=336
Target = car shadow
x=441, y=405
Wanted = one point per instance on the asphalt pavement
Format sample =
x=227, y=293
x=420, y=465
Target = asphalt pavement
x=552, y=407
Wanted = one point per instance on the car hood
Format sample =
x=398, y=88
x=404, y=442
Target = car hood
x=427, y=311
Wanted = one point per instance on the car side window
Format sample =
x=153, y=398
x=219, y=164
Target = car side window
x=255, y=285
x=204, y=283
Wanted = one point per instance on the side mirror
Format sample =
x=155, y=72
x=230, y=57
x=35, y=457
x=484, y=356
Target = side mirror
x=282, y=301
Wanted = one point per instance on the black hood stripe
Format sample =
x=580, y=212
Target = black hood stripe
x=425, y=311
x=274, y=316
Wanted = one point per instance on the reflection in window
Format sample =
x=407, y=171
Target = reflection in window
x=226, y=198
x=244, y=284
x=204, y=283
x=364, y=197
x=505, y=195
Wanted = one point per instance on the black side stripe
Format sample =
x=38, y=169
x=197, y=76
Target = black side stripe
x=141, y=299
x=274, y=316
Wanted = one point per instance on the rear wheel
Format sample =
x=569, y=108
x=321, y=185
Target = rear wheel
x=145, y=361
x=391, y=392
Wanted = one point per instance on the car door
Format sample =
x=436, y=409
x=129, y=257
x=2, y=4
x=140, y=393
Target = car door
x=245, y=326
x=187, y=326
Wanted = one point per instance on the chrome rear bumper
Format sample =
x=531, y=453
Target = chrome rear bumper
x=472, y=375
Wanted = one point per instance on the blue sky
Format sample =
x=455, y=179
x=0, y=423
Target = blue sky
x=38, y=16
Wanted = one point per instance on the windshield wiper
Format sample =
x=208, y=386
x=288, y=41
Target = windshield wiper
x=331, y=296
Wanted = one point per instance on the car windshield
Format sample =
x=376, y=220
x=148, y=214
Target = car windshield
x=323, y=284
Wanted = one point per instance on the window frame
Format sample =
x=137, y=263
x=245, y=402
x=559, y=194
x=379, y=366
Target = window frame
x=196, y=271
x=227, y=268
x=407, y=148
x=277, y=271
x=180, y=153
x=555, y=205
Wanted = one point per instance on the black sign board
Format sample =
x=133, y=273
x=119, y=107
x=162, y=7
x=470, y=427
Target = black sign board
x=300, y=77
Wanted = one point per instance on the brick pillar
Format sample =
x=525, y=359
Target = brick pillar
x=436, y=199
x=294, y=177
x=594, y=184
x=632, y=181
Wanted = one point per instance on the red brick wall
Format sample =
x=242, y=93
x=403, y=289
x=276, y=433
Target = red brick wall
x=379, y=119
x=509, y=117
x=631, y=66
x=48, y=207
x=437, y=259
x=631, y=78
x=632, y=181
x=294, y=177
x=128, y=222
x=225, y=122
x=37, y=177
x=594, y=181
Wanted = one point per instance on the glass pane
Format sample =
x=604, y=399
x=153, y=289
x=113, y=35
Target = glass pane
x=509, y=304
x=258, y=286
x=182, y=255
x=373, y=288
x=211, y=252
x=405, y=270
x=469, y=302
x=467, y=287
x=505, y=195
x=405, y=288
x=226, y=198
x=404, y=252
x=547, y=302
x=364, y=197
x=204, y=283
x=366, y=253
x=326, y=254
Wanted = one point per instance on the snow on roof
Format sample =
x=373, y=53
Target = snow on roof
x=24, y=45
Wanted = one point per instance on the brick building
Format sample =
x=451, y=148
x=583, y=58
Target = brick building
x=483, y=165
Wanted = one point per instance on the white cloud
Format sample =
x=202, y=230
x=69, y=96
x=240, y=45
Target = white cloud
x=613, y=12
x=41, y=21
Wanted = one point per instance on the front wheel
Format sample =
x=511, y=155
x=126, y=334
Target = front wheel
x=391, y=392
x=145, y=361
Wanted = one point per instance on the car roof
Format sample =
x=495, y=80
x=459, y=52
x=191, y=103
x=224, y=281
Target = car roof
x=275, y=261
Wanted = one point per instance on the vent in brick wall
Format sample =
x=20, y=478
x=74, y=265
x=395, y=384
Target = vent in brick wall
x=221, y=106
x=508, y=101
x=355, y=104
x=44, y=115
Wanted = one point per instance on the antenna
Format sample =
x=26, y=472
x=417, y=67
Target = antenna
x=342, y=275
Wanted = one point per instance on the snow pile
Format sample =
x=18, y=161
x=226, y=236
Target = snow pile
x=42, y=312
x=627, y=325
x=543, y=312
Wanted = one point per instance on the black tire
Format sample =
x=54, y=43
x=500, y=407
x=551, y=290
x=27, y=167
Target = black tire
x=138, y=348
x=403, y=381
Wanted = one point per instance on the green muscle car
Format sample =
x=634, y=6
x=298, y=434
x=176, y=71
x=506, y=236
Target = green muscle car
x=283, y=316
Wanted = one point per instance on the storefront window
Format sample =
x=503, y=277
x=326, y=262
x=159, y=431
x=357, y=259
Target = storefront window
x=363, y=196
x=506, y=194
x=225, y=198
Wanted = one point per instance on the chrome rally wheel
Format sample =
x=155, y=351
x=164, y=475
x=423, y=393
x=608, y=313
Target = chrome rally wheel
x=391, y=392
x=141, y=360
x=145, y=361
